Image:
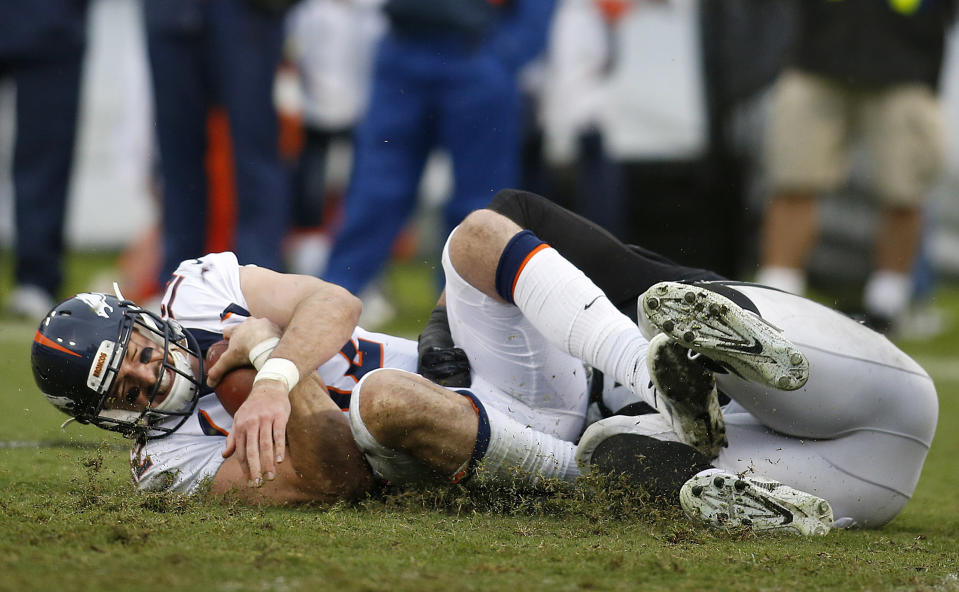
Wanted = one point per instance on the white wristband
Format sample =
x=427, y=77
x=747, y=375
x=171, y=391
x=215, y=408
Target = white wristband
x=279, y=369
x=262, y=350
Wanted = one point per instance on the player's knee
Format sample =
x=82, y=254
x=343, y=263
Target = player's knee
x=476, y=246
x=387, y=402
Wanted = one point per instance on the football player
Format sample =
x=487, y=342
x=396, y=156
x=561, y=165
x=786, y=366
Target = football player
x=527, y=320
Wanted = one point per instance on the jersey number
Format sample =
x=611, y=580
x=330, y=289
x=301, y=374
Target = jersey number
x=364, y=357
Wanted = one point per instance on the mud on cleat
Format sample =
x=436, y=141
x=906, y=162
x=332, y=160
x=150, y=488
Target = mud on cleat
x=721, y=330
x=725, y=500
x=686, y=395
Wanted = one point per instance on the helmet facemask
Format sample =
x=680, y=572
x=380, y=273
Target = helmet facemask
x=175, y=372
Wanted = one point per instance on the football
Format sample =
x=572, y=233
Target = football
x=236, y=384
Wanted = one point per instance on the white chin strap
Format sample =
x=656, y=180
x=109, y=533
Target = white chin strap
x=181, y=392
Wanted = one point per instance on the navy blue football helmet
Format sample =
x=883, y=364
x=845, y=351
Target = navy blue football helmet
x=77, y=352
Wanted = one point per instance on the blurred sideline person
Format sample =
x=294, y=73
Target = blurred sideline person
x=42, y=47
x=879, y=85
x=580, y=57
x=331, y=43
x=445, y=77
x=527, y=319
x=205, y=53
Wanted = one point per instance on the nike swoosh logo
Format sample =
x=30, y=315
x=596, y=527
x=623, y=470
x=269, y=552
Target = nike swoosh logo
x=591, y=303
x=753, y=348
x=770, y=505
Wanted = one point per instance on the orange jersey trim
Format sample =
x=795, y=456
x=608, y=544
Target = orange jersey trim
x=213, y=425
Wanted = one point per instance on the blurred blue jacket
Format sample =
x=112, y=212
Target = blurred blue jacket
x=514, y=30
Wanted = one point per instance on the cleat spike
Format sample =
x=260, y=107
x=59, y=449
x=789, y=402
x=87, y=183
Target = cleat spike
x=689, y=297
x=652, y=303
x=668, y=326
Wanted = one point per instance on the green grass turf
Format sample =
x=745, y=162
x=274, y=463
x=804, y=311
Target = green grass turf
x=69, y=519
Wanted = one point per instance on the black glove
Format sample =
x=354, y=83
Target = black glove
x=439, y=360
x=445, y=367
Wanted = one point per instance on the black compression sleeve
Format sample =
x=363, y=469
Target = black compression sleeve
x=622, y=271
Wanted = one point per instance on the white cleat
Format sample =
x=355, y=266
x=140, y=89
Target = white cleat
x=725, y=500
x=721, y=330
x=686, y=395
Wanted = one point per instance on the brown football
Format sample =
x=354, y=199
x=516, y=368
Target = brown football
x=236, y=384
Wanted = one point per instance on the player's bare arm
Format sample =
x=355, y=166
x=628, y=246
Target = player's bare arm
x=316, y=318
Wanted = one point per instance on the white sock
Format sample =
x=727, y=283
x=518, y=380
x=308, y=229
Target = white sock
x=517, y=452
x=574, y=314
x=787, y=279
x=887, y=293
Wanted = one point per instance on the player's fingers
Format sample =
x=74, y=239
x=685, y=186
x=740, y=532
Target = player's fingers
x=279, y=439
x=228, y=331
x=230, y=447
x=241, y=451
x=253, y=459
x=266, y=453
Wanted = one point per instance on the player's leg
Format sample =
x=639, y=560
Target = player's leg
x=507, y=272
x=856, y=433
x=859, y=379
x=508, y=265
x=867, y=476
x=180, y=85
x=386, y=174
x=247, y=46
x=473, y=94
x=412, y=430
x=621, y=271
x=645, y=450
x=904, y=130
x=48, y=95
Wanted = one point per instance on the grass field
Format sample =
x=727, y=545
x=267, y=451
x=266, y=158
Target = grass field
x=69, y=519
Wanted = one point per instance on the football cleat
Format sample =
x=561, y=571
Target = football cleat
x=686, y=395
x=725, y=500
x=724, y=332
x=640, y=449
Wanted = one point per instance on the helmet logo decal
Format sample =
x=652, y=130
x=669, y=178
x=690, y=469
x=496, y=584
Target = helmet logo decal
x=44, y=340
x=97, y=303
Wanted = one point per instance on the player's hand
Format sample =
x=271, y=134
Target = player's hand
x=259, y=431
x=446, y=366
x=242, y=338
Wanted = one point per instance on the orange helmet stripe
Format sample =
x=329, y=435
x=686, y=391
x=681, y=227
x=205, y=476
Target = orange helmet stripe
x=44, y=340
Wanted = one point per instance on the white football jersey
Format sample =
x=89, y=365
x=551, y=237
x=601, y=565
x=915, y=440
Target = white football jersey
x=204, y=296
